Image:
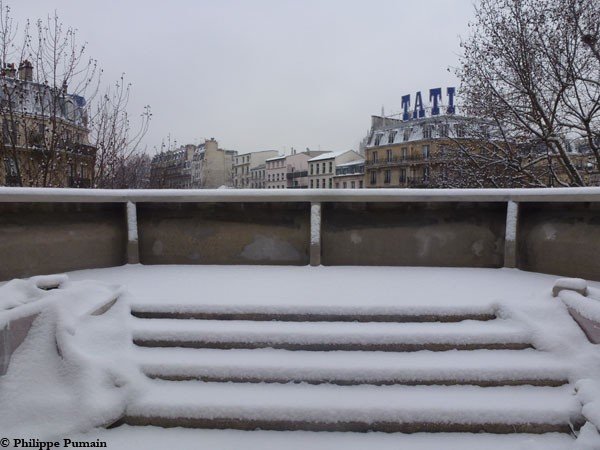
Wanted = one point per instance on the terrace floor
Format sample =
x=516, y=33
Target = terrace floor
x=521, y=301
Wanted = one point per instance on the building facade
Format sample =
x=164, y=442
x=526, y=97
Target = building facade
x=410, y=153
x=172, y=169
x=212, y=166
x=258, y=177
x=350, y=175
x=245, y=163
x=276, y=173
x=322, y=168
x=45, y=131
x=297, y=168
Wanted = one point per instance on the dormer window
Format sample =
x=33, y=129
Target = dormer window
x=407, y=133
x=377, y=139
x=427, y=131
x=391, y=137
x=444, y=132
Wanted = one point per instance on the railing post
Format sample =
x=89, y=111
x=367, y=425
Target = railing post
x=315, y=234
x=510, y=237
x=133, y=250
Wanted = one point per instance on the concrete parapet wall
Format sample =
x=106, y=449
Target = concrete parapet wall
x=560, y=238
x=414, y=234
x=224, y=233
x=54, y=230
x=43, y=238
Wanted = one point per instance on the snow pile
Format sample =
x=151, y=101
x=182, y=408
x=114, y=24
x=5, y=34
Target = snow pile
x=588, y=307
x=570, y=284
x=20, y=292
x=73, y=372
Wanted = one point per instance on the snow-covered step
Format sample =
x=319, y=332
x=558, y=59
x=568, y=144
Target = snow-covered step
x=328, y=336
x=157, y=438
x=477, y=367
x=312, y=314
x=517, y=409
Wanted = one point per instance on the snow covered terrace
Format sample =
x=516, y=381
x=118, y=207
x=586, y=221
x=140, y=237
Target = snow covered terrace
x=427, y=317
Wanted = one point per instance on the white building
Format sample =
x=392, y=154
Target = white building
x=245, y=163
x=276, y=173
x=321, y=169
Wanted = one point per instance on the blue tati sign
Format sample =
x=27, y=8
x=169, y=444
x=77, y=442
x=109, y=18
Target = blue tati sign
x=435, y=97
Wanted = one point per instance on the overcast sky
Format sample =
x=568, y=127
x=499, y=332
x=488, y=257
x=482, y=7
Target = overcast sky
x=267, y=74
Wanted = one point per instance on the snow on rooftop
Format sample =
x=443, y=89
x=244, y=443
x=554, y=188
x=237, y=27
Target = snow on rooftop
x=352, y=163
x=276, y=158
x=328, y=155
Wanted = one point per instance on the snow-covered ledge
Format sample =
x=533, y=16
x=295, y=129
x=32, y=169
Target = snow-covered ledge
x=133, y=250
x=582, y=303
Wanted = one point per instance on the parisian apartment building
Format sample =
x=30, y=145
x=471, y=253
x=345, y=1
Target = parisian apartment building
x=249, y=168
x=322, y=168
x=291, y=171
x=204, y=166
x=45, y=131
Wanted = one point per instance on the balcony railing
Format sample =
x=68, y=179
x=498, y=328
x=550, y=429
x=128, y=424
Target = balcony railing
x=13, y=180
x=398, y=161
x=79, y=182
x=298, y=174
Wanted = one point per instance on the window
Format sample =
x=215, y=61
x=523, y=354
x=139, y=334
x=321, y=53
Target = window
x=459, y=130
x=404, y=153
x=324, y=168
x=426, y=152
x=317, y=183
x=407, y=133
x=373, y=177
x=337, y=185
x=8, y=132
x=402, y=176
x=392, y=137
x=360, y=184
x=330, y=166
x=11, y=167
x=374, y=157
x=345, y=185
x=427, y=131
x=389, y=155
x=377, y=139
x=324, y=185
x=317, y=166
x=388, y=176
x=311, y=184
x=444, y=130
x=330, y=183
x=425, y=173
x=353, y=185
x=311, y=169
x=443, y=151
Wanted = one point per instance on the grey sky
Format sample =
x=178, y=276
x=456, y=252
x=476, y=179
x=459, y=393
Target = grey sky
x=267, y=74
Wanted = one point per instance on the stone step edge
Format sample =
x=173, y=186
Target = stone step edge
x=310, y=317
x=549, y=382
x=324, y=346
x=351, y=426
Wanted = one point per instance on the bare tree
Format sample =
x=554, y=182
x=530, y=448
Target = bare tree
x=50, y=105
x=43, y=108
x=531, y=71
x=116, y=147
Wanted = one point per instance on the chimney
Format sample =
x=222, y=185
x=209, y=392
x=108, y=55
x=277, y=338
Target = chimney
x=26, y=71
x=10, y=70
